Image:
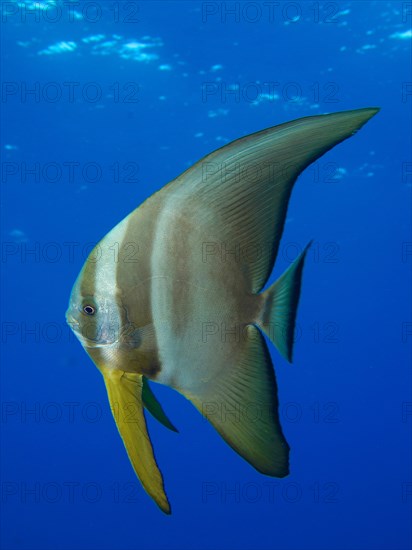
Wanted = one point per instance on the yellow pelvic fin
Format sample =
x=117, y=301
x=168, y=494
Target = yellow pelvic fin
x=124, y=390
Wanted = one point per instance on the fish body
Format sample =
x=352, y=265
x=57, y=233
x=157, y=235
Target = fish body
x=174, y=294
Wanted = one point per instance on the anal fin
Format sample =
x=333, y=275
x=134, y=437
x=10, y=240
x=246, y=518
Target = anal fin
x=241, y=403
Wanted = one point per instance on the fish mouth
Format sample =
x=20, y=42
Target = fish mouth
x=71, y=321
x=87, y=342
x=93, y=344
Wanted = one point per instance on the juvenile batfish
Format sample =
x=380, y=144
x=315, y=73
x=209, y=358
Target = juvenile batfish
x=174, y=294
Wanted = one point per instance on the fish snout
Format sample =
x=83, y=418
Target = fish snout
x=72, y=322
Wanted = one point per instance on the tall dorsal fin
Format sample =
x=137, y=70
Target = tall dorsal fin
x=240, y=193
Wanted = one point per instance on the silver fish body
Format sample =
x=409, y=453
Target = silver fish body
x=173, y=294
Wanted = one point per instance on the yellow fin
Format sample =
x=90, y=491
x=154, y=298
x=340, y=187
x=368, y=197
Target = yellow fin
x=124, y=390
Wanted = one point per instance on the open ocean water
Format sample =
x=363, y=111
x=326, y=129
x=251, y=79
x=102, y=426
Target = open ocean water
x=102, y=104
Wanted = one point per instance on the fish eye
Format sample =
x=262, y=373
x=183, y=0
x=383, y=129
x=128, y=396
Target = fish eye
x=89, y=310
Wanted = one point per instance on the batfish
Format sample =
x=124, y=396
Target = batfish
x=174, y=294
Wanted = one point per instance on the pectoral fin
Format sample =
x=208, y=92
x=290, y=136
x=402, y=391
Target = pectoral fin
x=124, y=390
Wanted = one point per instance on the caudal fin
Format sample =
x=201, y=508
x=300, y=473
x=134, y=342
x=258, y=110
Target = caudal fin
x=280, y=305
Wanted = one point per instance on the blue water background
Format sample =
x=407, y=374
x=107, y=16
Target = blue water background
x=346, y=400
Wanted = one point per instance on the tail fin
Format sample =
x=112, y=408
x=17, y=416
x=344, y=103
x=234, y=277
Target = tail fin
x=280, y=305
